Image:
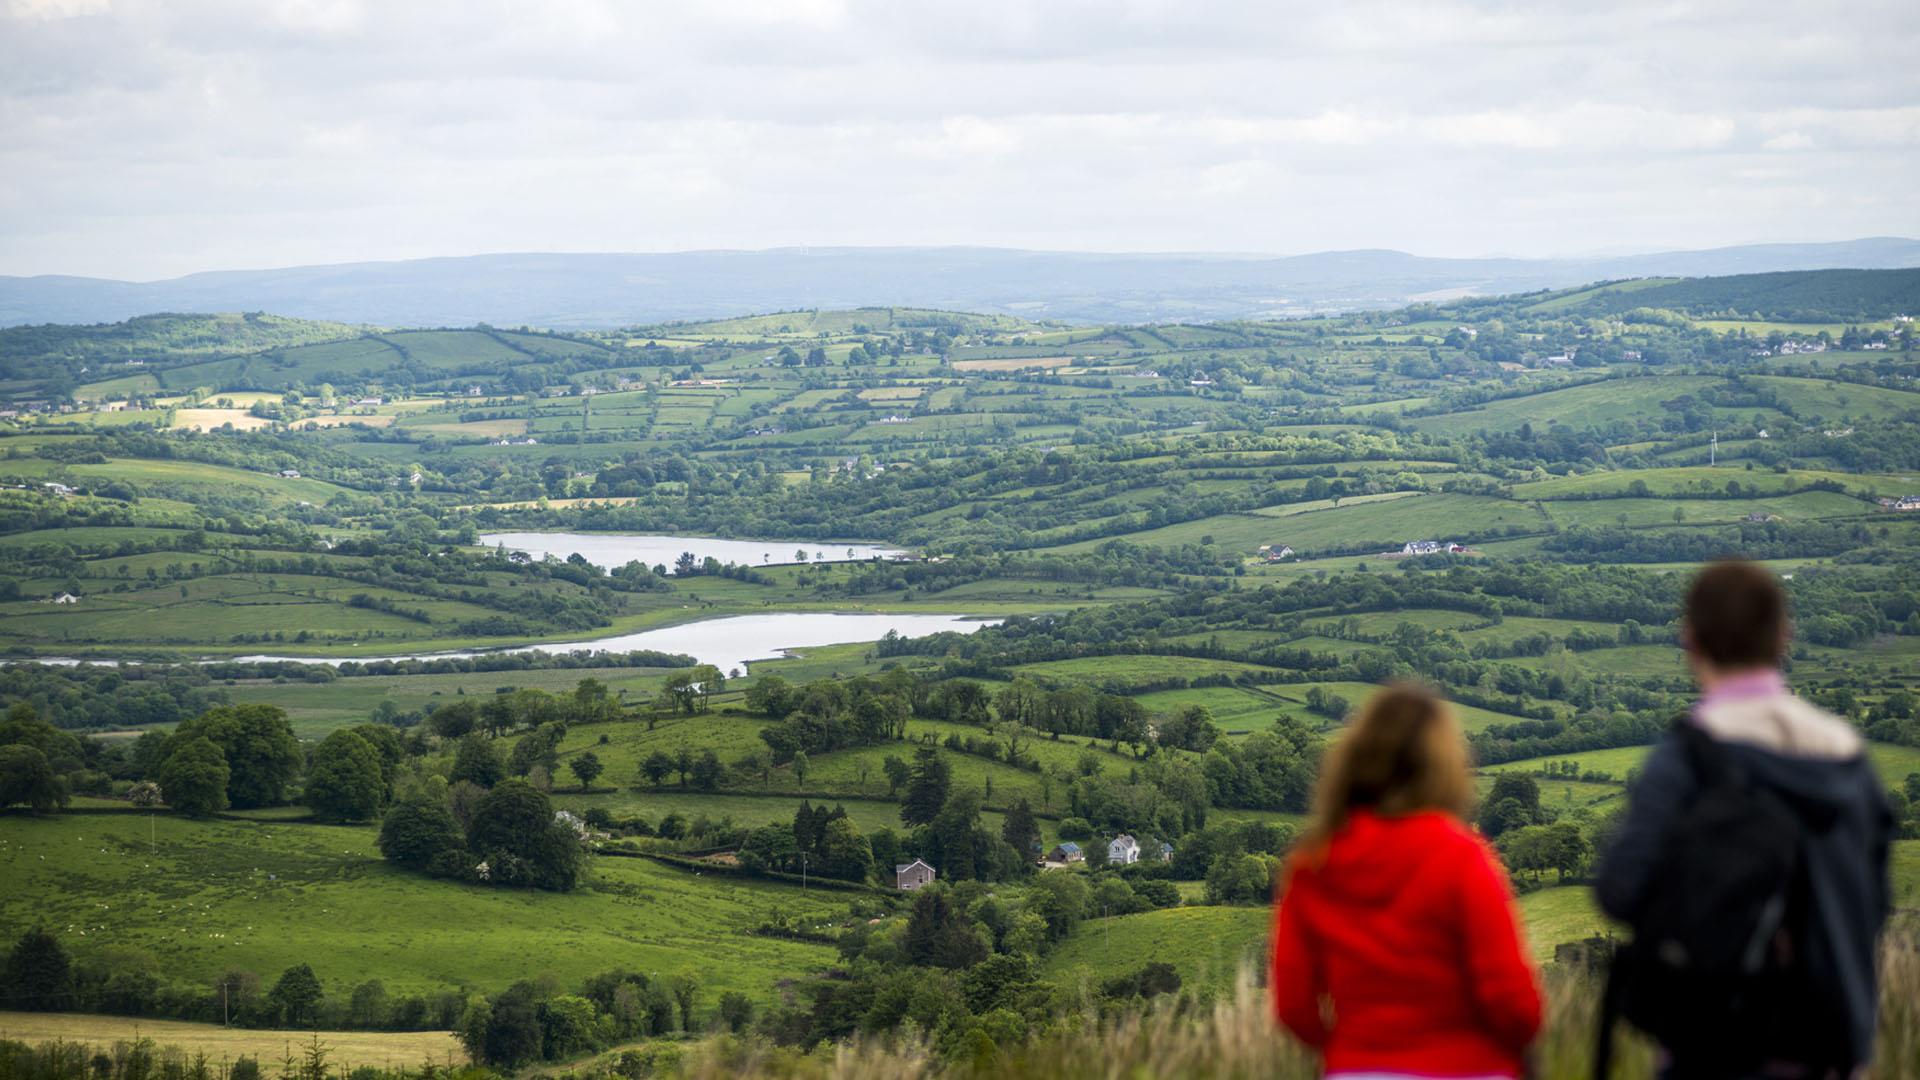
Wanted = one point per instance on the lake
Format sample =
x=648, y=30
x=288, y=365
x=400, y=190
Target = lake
x=728, y=642
x=609, y=550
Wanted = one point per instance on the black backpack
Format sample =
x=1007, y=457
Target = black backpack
x=1717, y=971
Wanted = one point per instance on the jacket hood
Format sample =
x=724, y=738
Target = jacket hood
x=1818, y=790
x=1372, y=858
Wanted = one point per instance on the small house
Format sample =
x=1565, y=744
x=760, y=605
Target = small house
x=1166, y=851
x=913, y=875
x=1275, y=552
x=290, y=474
x=63, y=598
x=1066, y=851
x=1421, y=547
x=1123, y=850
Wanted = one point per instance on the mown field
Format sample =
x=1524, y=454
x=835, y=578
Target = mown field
x=380, y=1049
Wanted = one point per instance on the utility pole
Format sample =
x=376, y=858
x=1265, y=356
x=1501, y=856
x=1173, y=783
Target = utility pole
x=1713, y=453
x=224, y=1020
x=803, y=871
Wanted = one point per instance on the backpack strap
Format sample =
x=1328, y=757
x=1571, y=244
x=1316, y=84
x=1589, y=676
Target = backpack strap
x=1609, y=1016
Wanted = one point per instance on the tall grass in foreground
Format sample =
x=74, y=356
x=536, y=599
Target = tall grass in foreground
x=1235, y=1039
x=1231, y=1038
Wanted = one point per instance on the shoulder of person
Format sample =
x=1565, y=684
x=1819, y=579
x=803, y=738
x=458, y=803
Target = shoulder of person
x=1782, y=724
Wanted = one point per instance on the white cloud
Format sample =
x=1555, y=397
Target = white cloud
x=163, y=136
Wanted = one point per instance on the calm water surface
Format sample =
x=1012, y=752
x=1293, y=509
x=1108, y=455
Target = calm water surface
x=618, y=549
x=727, y=642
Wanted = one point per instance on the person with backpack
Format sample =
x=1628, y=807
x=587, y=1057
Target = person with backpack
x=1397, y=949
x=1751, y=863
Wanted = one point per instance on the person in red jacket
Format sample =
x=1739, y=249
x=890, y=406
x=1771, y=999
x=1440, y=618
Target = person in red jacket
x=1396, y=943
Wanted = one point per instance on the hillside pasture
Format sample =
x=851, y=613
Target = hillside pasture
x=209, y=895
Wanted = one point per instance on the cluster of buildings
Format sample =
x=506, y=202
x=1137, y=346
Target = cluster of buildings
x=1792, y=348
x=1433, y=547
x=1903, y=502
x=1274, y=553
x=1122, y=850
x=508, y=441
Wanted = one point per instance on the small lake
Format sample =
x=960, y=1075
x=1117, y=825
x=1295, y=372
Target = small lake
x=728, y=642
x=610, y=550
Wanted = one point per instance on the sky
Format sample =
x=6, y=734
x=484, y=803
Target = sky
x=142, y=140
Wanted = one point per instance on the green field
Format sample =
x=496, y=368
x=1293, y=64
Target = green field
x=264, y=896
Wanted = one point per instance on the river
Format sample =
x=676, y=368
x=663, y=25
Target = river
x=609, y=550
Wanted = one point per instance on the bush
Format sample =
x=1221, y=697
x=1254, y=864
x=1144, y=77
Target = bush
x=1074, y=828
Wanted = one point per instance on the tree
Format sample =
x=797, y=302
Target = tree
x=939, y=935
x=707, y=681
x=927, y=787
x=898, y=772
x=657, y=767
x=586, y=768
x=516, y=837
x=1020, y=830
x=707, y=770
x=195, y=777
x=454, y=721
x=39, y=974
x=566, y=1026
x=510, y=1034
x=685, y=988
x=367, y=1007
x=296, y=996
x=771, y=695
x=26, y=776
x=682, y=692
x=800, y=768
x=1513, y=802
x=345, y=782
x=421, y=834
x=263, y=756
x=477, y=762
x=844, y=853
x=736, y=1011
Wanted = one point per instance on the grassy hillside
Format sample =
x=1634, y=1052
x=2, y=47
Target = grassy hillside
x=264, y=895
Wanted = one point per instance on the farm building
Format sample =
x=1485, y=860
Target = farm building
x=290, y=474
x=1904, y=502
x=1066, y=852
x=1124, y=850
x=1422, y=547
x=1275, y=552
x=913, y=875
x=63, y=598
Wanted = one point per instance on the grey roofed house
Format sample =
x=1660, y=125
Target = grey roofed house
x=1065, y=852
x=912, y=875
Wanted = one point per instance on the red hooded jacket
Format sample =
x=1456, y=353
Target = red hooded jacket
x=1408, y=931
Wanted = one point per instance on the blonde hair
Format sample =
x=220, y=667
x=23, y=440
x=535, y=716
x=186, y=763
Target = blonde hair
x=1403, y=753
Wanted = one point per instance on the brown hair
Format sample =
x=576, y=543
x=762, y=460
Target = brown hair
x=1404, y=753
x=1736, y=616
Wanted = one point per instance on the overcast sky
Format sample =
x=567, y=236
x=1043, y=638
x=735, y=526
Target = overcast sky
x=148, y=139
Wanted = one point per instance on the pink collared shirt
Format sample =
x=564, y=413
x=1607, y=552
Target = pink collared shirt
x=1760, y=683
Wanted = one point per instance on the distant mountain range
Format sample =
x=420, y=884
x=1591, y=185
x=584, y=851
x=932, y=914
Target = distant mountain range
x=587, y=291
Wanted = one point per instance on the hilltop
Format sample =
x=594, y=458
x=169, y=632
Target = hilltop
x=600, y=291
